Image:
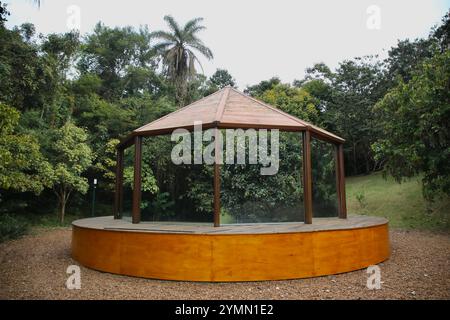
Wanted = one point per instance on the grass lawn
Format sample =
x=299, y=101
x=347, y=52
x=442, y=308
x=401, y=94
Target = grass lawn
x=403, y=204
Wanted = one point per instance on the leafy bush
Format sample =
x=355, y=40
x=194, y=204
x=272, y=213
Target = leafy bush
x=11, y=227
x=361, y=197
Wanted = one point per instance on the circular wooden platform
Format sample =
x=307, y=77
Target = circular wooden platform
x=197, y=252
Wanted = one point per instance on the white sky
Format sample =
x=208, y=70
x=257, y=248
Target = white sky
x=256, y=39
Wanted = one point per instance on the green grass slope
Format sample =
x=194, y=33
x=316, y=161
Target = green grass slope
x=403, y=204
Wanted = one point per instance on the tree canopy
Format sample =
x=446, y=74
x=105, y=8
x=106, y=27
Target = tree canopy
x=414, y=117
x=67, y=99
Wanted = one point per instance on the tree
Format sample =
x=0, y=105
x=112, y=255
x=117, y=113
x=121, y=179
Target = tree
x=442, y=33
x=345, y=98
x=222, y=78
x=295, y=101
x=105, y=163
x=70, y=157
x=177, y=50
x=414, y=117
x=19, y=65
x=4, y=13
x=358, y=85
x=405, y=56
x=22, y=165
x=258, y=89
x=61, y=48
x=113, y=54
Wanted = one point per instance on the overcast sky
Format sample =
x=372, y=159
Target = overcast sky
x=257, y=39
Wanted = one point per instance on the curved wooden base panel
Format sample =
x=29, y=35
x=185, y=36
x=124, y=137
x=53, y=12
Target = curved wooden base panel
x=230, y=257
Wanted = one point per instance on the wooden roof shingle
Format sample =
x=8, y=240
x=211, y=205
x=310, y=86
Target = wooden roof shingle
x=230, y=108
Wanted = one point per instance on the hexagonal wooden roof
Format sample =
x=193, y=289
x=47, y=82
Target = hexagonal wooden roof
x=230, y=108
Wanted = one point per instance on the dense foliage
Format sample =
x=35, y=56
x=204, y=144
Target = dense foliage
x=67, y=100
x=415, y=118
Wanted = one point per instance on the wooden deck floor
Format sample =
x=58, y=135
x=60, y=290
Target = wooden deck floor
x=319, y=224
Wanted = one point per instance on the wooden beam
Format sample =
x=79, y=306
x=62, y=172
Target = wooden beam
x=217, y=154
x=221, y=106
x=136, y=208
x=340, y=181
x=126, y=142
x=307, y=177
x=213, y=124
x=316, y=133
x=118, y=195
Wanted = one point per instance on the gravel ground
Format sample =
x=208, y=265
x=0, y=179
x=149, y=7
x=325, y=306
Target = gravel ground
x=34, y=267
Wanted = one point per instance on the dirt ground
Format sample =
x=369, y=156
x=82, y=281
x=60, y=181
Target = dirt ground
x=34, y=267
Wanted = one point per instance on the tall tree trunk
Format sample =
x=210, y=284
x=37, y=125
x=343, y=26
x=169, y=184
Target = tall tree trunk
x=181, y=90
x=62, y=204
x=63, y=210
x=355, y=167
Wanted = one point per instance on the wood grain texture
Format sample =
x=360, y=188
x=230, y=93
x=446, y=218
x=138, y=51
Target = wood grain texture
x=230, y=257
x=229, y=108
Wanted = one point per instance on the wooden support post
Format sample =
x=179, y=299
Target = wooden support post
x=340, y=181
x=118, y=195
x=217, y=155
x=136, y=208
x=307, y=177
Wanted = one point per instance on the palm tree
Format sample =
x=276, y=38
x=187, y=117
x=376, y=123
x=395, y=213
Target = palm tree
x=177, y=49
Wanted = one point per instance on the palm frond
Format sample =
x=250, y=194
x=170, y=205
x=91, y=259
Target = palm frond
x=162, y=46
x=200, y=47
x=167, y=36
x=195, y=59
x=173, y=25
x=196, y=29
x=192, y=24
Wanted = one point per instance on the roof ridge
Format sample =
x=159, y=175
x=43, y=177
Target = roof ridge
x=176, y=111
x=222, y=103
x=303, y=122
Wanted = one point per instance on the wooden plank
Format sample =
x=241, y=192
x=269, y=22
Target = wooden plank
x=237, y=257
x=222, y=102
x=241, y=125
x=126, y=142
x=136, y=207
x=231, y=106
x=168, y=227
x=307, y=177
x=210, y=102
x=325, y=137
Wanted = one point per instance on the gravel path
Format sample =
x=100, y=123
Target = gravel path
x=34, y=267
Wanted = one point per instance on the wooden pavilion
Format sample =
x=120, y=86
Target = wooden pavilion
x=229, y=108
x=238, y=252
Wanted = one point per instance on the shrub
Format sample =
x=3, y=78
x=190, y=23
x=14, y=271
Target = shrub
x=361, y=197
x=12, y=227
